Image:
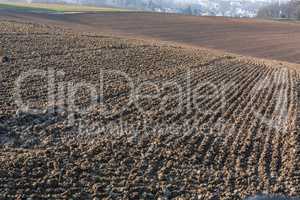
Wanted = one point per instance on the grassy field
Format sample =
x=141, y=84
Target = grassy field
x=43, y=7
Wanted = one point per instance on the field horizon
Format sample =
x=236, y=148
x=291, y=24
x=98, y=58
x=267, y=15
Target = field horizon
x=266, y=39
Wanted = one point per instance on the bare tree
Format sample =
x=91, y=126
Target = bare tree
x=290, y=10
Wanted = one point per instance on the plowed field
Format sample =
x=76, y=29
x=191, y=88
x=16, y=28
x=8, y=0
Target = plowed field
x=85, y=116
x=250, y=37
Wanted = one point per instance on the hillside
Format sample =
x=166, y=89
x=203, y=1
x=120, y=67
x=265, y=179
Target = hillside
x=249, y=37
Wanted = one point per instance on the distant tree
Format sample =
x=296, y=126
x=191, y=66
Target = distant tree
x=298, y=14
x=189, y=10
x=290, y=10
x=151, y=5
x=224, y=7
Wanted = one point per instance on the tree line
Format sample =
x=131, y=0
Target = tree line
x=289, y=10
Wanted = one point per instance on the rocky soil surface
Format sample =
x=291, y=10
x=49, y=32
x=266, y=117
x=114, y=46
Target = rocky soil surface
x=84, y=116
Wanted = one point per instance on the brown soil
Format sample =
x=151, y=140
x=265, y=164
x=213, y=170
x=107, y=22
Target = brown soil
x=208, y=125
x=250, y=37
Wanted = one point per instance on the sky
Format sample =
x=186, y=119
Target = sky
x=191, y=1
x=175, y=1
